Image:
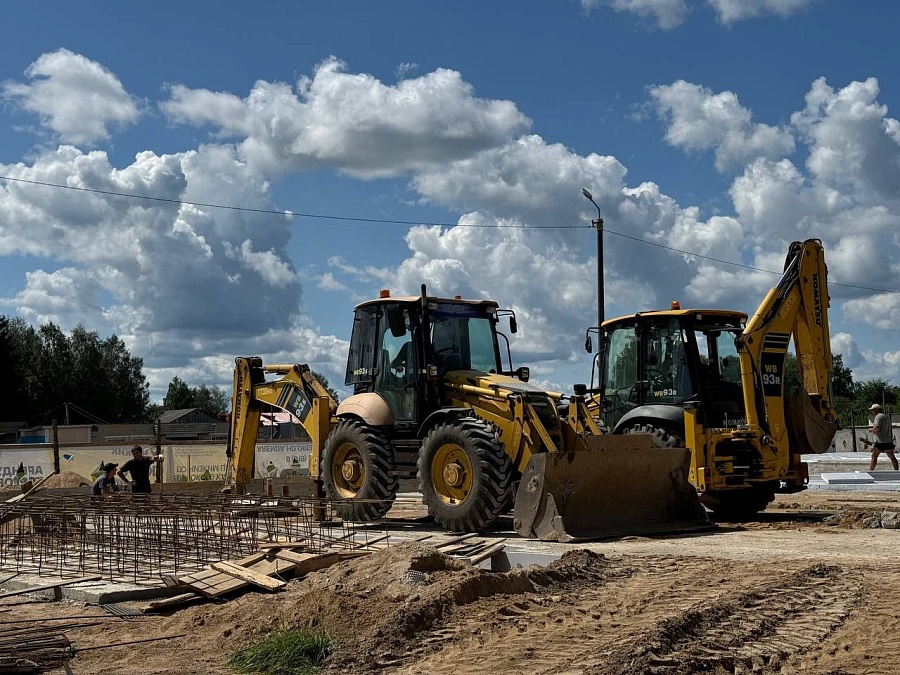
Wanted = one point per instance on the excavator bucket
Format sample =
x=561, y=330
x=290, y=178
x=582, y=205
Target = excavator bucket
x=619, y=486
x=808, y=431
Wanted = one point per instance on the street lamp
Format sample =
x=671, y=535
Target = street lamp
x=598, y=224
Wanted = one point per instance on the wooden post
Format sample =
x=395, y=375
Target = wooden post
x=55, y=447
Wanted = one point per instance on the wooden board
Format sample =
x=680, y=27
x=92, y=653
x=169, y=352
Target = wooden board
x=249, y=575
x=213, y=583
x=165, y=603
x=305, y=563
x=487, y=553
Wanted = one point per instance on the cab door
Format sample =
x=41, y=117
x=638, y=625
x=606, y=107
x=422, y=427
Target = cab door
x=619, y=374
x=397, y=362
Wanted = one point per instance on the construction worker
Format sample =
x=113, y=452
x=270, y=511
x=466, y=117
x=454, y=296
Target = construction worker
x=884, y=439
x=105, y=485
x=139, y=468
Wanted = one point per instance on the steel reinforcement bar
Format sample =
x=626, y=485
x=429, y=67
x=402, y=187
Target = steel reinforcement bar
x=144, y=538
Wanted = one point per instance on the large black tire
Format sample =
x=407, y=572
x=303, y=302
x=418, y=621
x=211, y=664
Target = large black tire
x=464, y=475
x=356, y=469
x=661, y=437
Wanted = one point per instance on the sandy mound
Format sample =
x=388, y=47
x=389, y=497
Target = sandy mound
x=376, y=605
x=67, y=479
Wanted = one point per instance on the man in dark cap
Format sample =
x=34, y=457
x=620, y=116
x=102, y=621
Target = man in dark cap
x=105, y=485
x=139, y=468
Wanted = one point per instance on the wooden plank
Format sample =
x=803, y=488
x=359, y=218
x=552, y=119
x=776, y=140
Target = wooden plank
x=490, y=551
x=165, y=603
x=48, y=587
x=217, y=583
x=213, y=582
x=454, y=540
x=456, y=548
x=251, y=559
x=283, y=544
x=367, y=544
x=477, y=546
x=34, y=487
x=255, y=578
x=171, y=581
x=304, y=563
x=272, y=567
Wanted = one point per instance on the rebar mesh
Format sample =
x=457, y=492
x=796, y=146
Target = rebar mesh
x=143, y=538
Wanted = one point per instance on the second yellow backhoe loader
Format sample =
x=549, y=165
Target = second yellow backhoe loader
x=714, y=381
x=431, y=399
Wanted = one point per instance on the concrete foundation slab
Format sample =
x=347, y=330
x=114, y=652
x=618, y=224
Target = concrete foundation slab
x=93, y=592
x=885, y=476
x=855, y=478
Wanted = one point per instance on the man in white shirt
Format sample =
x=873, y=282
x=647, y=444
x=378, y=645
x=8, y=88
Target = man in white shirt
x=884, y=439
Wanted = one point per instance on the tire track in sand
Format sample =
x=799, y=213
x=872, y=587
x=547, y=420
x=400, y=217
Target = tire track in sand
x=753, y=631
x=598, y=628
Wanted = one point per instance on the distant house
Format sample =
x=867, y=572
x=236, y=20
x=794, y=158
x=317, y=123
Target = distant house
x=187, y=424
x=280, y=425
x=186, y=416
x=9, y=431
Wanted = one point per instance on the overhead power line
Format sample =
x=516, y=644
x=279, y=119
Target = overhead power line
x=286, y=213
x=390, y=221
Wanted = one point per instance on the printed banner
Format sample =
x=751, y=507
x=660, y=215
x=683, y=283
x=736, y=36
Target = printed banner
x=88, y=462
x=182, y=463
x=190, y=463
x=20, y=466
x=282, y=460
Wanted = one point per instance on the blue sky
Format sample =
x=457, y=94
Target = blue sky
x=725, y=128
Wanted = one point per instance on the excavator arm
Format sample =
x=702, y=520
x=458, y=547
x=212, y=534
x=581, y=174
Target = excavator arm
x=296, y=391
x=797, y=307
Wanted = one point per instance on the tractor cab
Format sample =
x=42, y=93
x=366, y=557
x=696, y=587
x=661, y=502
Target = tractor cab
x=654, y=364
x=401, y=348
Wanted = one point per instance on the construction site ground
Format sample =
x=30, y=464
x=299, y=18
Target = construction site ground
x=805, y=587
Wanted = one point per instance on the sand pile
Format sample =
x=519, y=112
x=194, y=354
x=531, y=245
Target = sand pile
x=67, y=479
x=378, y=604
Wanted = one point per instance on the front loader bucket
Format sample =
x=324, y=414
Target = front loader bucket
x=808, y=432
x=619, y=486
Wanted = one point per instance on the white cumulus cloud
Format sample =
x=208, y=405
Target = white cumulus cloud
x=352, y=122
x=698, y=119
x=78, y=99
x=666, y=14
x=732, y=11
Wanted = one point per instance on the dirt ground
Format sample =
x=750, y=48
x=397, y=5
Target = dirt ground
x=805, y=587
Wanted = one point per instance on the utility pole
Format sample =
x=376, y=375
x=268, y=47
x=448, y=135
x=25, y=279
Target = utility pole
x=598, y=225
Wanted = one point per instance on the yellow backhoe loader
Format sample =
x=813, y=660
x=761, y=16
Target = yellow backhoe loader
x=714, y=382
x=431, y=399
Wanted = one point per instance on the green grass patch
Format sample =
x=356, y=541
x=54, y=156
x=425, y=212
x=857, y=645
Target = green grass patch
x=293, y=651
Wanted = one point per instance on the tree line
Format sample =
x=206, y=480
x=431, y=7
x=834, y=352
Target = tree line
x=47, y=375
x=851, y=399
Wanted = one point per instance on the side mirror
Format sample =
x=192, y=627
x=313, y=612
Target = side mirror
x=588, y=345
x=513, y=326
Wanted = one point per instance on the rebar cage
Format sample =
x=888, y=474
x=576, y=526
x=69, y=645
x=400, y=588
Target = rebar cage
x=143, y=538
